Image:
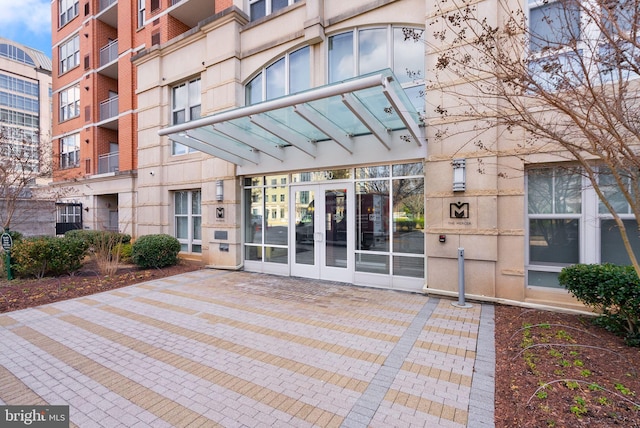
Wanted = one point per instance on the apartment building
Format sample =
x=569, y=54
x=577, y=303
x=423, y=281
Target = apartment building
x=25, y=121
x=296, y=137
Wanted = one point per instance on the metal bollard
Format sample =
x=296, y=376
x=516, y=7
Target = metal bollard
x=461, y=303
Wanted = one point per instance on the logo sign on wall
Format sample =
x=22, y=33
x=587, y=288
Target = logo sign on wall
x=459, y=210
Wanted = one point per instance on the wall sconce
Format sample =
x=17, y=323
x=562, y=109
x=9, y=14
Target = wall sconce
x=459, y=175
x=219, y=190
x=86, y=209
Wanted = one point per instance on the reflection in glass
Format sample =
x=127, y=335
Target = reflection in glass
x=276, y=255
x=336, y=228
x=554, y=241
x=276, y=209
x=408, y=215
x=408, y=56
x=372, y=172
x=253, y=221
x=554, y=191
x=408, y=266
x=372, y=263
x=543, y=279
x=408, y=169
x=372, y=50
x=275, y=79
x=612, y=192
x=305, y=219
x=372, y=215
x=253, y=90
x=299, y=70
x=611, y=247
x=341, y=64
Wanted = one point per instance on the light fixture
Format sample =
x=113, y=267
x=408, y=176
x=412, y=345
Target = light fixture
x=459, y=175
x=86, y=141
x=219, y=190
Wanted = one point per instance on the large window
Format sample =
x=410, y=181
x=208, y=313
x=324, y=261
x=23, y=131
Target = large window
x=390, y=220
x=287, y=75
x=267, y=221
x=185, y=106
x=14, y=84
x=188, y=220
x=70, y=54
x=70, y=103
x=15, y=53
x=567, y=223
x=68, y=10
x=366, y=50
x=70, y=151
x=262, y=8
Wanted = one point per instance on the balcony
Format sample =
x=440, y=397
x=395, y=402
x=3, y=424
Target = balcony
x=109, y=113
x=108, y=163
x=108, y=12
x=190, y=12
x=109, y=60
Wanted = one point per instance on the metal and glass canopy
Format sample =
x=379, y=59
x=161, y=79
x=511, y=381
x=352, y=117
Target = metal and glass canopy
x=331, y=117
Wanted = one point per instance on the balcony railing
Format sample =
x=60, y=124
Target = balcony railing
x=106, y=3
x=109, y=53
x=108, y=163
x=109, y=108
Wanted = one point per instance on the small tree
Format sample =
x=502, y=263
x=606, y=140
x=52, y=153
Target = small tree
x=561, y=79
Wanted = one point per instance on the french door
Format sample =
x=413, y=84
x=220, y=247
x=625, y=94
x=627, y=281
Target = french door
x=323, y=236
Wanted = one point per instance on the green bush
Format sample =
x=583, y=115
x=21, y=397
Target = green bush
x=612, y=291
x=155, y=251
x=124, y=251
x=47, y=255
x=94, y=237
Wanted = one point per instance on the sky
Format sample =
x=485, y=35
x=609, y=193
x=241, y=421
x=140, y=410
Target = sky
x=27, y=22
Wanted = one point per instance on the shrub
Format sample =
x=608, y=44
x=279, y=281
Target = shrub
x=155, y=251
x=104, y=247
x=93, y=237
x=612, y=291
x=46, y=255
x=124, y=251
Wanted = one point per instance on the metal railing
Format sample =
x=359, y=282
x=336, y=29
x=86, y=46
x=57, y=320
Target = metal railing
x=109, y=53
x=106, y=3
x=109, y=108
x=108, y=163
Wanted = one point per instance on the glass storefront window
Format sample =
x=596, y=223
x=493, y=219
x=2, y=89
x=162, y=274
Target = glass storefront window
x=372, y=215
x=372, y=172
x=408, y=266
x=408, y=215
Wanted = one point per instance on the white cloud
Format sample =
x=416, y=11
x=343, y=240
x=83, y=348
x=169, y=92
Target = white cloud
x=33, y=16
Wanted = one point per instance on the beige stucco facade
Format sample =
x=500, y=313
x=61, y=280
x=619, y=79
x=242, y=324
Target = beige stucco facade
x=227, y=50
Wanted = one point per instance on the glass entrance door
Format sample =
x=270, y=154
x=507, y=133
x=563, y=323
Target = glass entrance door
x=322, y=232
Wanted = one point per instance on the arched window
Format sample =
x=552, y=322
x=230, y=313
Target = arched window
x=287, y=75
x=365, y=50
x=16, y=54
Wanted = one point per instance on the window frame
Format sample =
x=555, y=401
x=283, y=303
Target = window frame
x=69, y=107
x=191, y=242
x=268, y=7
x=141, y=13
x=67, y=10
x=178, y=149
x=69, y=59
x=261, y=82
x=70, y=158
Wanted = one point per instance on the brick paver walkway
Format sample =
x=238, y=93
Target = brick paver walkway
x=215, y=348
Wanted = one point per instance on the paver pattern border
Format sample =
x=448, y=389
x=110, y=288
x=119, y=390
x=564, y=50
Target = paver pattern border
x=236, y=349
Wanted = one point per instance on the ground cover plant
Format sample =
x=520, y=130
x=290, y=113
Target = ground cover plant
x=561, y=370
